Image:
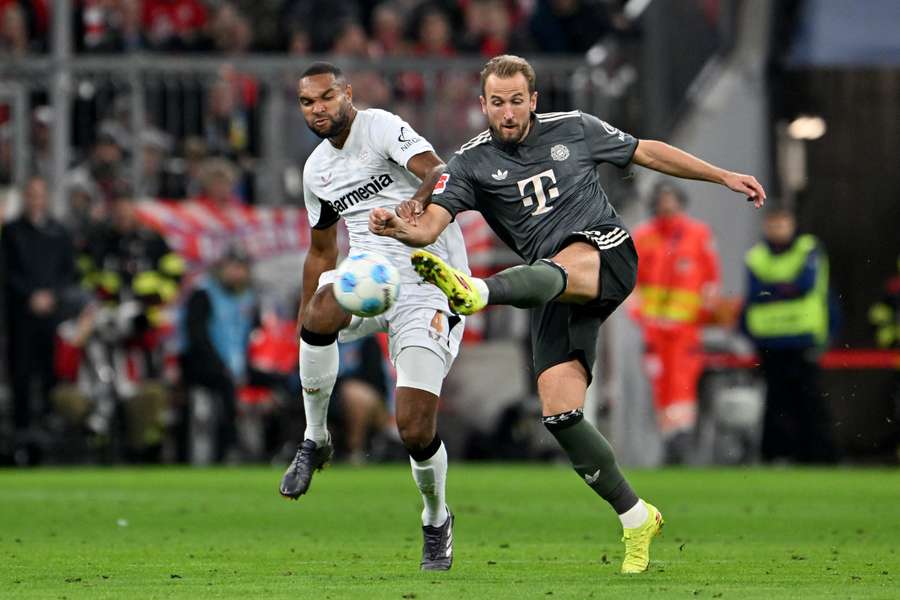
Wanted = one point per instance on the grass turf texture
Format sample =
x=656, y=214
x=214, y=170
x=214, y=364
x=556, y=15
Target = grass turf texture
x=533, y=532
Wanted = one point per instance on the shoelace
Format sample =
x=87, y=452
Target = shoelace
x=433, y=536
x=302, y=450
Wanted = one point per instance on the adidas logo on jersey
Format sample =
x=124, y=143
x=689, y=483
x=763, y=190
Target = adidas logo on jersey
x=500, y=175
x=372, y=188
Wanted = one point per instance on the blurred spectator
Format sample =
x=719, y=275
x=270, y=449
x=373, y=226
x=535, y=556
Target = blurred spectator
x=323, y=20
x=175, y=25
x=112, y=26
x=230, y=125
x=226, y=128
x=6, y=154
x=182, y=175
x=677, y=285
x=264, y=16
x=788, y=318
x=220, y=315
x=132, y=276
x=885, y=314
x=83, y=212
x=351, y=41
x=37, y=269
x=229, y=30
x=35, y=15
x=41, y=157
x=569, y=26
x=370, y=89
x=14, y=42
x=433, y=38
x=299, y=41
x=361, y=390
x=218, y=178
x=493, y=30
x=126, y=261
x=156, y=180
x=885, y=318
x=387, y=32
x=93, y=184
x=434, y=33
x=194, y=157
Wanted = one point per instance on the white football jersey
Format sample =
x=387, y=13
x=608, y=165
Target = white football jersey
x=369, y=171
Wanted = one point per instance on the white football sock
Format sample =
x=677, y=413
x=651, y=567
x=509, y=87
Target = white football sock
x=482, y=288
x=431, y=478
x=635, y=516
x=318, y=372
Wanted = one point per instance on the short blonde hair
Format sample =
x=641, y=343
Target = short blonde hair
x=506, y=66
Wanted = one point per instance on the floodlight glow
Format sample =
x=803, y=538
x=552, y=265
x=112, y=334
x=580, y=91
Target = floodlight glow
x=806, y=127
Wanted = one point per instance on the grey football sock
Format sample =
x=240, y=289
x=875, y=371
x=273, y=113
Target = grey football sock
x=592, y=457
x=526, y=286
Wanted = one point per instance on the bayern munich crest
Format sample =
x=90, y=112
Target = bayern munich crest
x=559, y=152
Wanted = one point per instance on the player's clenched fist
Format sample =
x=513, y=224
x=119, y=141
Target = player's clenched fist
x=409, y=210
x=383, y=221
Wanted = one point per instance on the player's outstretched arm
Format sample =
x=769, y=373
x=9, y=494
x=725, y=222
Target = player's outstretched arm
x=428, y=226
x=667, y=159
x=428, y=167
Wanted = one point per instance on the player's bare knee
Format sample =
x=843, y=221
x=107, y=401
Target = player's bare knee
x=324, y=314
x=416, y=431
x=562, y=387
x=582, y=263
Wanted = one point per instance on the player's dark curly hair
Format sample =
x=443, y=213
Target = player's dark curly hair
x=321, y=68
x=507, y=65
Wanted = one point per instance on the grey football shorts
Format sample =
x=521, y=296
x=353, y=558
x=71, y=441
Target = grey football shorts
x=561, y=332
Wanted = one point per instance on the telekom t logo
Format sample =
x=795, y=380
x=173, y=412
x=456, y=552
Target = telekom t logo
x=537, y=183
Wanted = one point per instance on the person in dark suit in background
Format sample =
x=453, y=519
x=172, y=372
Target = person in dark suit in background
x=38, y=266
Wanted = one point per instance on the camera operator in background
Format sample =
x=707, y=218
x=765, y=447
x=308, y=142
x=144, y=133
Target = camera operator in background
x=37, y=268
x=133, y=275
x=95, y=183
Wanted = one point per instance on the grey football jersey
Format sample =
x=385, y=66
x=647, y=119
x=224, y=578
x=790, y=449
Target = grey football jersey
x=536, y=193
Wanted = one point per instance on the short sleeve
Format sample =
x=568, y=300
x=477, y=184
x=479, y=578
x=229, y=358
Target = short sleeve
x=455, y=190
x=395, y=139
x=606, y=143
x=320, y=213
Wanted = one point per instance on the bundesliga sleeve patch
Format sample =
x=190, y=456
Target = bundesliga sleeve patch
x=441, y=184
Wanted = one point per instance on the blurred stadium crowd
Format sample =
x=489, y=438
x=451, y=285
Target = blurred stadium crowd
x=119, y=348
x=133, y=335
x=370, y=29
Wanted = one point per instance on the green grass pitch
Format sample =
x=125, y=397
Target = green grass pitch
x=522, y=532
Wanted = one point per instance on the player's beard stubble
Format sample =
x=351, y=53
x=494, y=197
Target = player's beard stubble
x=336, y=125
x=510, y=132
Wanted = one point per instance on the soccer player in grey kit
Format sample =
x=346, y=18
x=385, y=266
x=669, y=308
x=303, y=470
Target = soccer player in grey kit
x=533, y=177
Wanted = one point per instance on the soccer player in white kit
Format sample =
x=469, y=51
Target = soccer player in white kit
x=372, y=158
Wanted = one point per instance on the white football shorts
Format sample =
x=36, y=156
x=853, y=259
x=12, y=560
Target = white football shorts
x=415, y=320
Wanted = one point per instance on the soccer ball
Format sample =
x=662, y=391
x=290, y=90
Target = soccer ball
x=367, y=284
